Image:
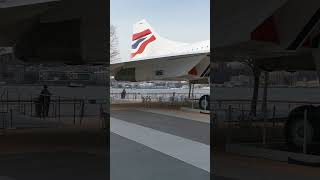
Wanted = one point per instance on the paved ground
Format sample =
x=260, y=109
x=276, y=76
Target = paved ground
x=183, y=127
x=150, y=145
x=240, y=167
x=51, y=153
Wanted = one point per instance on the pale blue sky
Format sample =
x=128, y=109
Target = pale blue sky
x=177, y=20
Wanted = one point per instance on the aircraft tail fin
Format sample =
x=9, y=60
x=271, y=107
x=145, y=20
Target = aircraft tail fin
x=148, y=43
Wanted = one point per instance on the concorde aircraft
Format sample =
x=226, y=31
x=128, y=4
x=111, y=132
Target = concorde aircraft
x=67, y=31
x=274, y=34
x=156, y=58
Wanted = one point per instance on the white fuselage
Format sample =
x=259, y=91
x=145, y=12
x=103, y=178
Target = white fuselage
x=198, y=47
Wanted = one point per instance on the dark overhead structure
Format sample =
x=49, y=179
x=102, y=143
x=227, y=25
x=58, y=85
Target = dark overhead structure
x=62, y=31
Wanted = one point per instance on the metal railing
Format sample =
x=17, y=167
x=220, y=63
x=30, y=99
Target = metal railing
x=265, y=129
x=60, y=109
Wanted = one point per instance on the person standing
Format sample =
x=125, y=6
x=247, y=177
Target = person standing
x=123, y=93
x=45, y=101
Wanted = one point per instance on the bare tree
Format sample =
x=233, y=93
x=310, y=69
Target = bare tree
x=256, y=75
x=114, y=51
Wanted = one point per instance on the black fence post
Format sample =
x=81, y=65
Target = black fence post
x=74, y=111
x=31, y=105
x=11, y=118
x=24, y=108
x=59, y=106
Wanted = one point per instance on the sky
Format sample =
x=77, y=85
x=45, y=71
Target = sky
x=178, y=20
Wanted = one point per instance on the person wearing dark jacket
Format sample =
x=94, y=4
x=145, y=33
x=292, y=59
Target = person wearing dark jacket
x=44, y=99
x=123, y=93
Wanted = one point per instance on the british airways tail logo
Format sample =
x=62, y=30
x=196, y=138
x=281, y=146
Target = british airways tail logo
x=140, y=41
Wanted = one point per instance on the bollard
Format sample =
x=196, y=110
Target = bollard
x=305, y=121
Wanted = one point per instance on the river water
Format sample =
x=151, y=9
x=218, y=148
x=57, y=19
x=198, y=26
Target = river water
x=98, y=92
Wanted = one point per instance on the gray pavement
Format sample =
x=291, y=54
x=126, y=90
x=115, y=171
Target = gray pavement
x=63, y=165
x=21, y=121
x=136, y=161
x=194, y=130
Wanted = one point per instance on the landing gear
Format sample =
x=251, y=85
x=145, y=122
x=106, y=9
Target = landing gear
x=204, y=102
x=296, y=133
x=295, y=127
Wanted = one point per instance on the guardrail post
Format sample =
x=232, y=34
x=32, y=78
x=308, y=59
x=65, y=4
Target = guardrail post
x=305, y=122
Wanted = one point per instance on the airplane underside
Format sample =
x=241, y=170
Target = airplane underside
x=62, y=31
x=183, y=67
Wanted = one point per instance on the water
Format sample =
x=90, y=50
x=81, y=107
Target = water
x=290, y=94
x=98, y=92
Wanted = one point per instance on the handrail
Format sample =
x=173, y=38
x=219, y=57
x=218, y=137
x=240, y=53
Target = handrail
x=269, y=101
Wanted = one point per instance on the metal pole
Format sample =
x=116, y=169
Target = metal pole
x=55, y=110
x=305, y=132
x=205, y=100
x=82, y=110
x=74, y=111
x=31, y=106
x=3, y=121
x=7, y=100
x=11, y=118
x=274, y=115
x=59, y=108
x=229, y=124
x=19, y=103
x=264, y=107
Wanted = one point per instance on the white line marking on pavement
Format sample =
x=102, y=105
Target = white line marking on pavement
x=191, y=152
